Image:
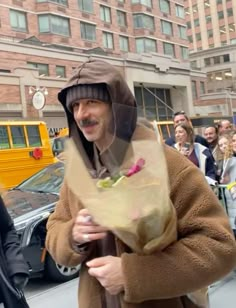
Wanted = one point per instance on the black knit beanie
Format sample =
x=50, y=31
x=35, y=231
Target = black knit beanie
x=93, y=91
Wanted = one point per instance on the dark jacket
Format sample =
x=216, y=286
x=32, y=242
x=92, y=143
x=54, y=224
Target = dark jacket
x=199, y=139
x=11, y=262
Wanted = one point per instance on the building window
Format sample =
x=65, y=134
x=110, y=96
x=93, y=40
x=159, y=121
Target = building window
x=202, y=88
x=63, y=2
x=179, y=11
x=193, y=64
x=184, y=52
x=143, y=21
x=226, y=58
x=182, y=32
x=43, y=68
x=88, y=31
x=60, y=71
x=107, y=39
x=211, y=45
x=143, y=2
x=194, y=89
x=207, y=3
x=198, y=36
x=220, y=14
x=208, y=19
x=196, y=22
x=166, y=27
x=207, y=61
x=222, y=30
x=154, y=106
x=54, y=24
x=121, y=19
x=216, y=60
x=105, y=14
x=169, y=49
x=164, y=6
x=195, y=8
x=145, y=45
x=18, y=21
x=218, y=1
x=190, y=38
x=228, y=75
x=230, y=12
x=232, y=27
x=224, y=43
x=86, y=5
x=209, y=33
x=188, y=24
x=124, y=43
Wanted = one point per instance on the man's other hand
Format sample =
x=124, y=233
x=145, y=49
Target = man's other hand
x=108, y=271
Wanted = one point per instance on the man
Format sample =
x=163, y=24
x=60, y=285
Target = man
x=211, y=135
x=101, y=112
x=224, y=126
x=181, y=117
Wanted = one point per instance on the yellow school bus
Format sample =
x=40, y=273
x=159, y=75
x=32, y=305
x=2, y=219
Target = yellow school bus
x=24, y=149
x=166, y=129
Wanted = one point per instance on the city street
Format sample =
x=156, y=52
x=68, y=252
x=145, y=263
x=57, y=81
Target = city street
x=42, y=294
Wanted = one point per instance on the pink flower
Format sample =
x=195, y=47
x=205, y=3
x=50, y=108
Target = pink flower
x=136, y=167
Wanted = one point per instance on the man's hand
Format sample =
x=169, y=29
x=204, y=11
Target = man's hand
x=85, y=229
x=108, y=271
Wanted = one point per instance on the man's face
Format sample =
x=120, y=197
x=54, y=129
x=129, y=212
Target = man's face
x=210, y=134
x=225, y=126
x=93, y=118
x=180, y=118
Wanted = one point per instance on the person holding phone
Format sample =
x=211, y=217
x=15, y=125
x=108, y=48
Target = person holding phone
x=198, y=154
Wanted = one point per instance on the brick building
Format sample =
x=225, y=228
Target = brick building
x=43, y=41
x=211, y=33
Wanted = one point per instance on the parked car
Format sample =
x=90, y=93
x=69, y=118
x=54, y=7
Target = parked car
x=30, y=205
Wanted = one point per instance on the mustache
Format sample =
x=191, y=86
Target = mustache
x=87, y=122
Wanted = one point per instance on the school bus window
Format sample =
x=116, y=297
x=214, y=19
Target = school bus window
x=4, y=139
x=33, y=136
x=18, y=137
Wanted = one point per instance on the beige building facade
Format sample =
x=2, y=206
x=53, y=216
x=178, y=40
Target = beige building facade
x=43, y=41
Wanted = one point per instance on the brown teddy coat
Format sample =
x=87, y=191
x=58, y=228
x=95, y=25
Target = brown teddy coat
x=205, y=250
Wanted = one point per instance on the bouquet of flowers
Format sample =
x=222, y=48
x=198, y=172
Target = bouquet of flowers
x=134, y=203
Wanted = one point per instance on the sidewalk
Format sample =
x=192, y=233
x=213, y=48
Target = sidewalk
x=222, y=294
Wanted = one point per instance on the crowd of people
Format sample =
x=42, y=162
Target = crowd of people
x=214, y=154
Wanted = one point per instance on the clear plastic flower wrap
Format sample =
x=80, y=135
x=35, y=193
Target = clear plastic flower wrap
x=137, y=209
x=135, y=206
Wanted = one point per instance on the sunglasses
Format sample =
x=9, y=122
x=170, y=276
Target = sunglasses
x=178, y=113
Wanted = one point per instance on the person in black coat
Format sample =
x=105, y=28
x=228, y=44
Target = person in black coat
x=14, y=271
x=181, y=117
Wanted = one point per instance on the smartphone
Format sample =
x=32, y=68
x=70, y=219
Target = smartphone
x=186, y=146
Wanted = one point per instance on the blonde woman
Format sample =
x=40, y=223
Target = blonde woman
x=228, y=177
x=222, y=154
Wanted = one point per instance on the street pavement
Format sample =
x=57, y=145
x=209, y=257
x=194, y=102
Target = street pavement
x=41, y=294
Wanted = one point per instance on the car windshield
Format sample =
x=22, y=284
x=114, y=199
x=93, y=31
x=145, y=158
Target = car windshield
x=48, y=180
